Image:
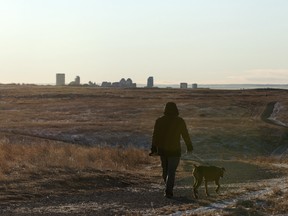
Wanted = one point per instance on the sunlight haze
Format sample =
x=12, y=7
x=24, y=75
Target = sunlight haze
x=190, y=41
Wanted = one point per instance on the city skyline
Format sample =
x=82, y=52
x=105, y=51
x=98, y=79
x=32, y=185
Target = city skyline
x=204, y=42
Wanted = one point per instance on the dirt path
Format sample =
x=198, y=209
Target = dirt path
x=269, y=115
x=229, y=206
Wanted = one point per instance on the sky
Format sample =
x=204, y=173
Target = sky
x=193, y=41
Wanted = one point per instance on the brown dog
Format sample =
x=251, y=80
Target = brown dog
x=208, y=173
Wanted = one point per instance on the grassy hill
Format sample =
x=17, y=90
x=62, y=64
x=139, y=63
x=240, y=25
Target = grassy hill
x=69, y=150
x=222, y=123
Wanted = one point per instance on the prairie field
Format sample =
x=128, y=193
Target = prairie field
x=84, y=151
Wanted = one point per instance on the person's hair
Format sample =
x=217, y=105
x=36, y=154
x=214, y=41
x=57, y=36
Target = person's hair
x=171, y=109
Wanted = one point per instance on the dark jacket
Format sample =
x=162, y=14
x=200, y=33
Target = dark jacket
x=168, y=130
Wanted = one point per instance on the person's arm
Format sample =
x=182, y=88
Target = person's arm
x=186, y=137
x=155, y=138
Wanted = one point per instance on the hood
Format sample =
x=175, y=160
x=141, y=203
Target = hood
x=171, y=109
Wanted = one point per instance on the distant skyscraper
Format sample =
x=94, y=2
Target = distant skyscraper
x=60, y=79
x=150, y=82
x=77, y=80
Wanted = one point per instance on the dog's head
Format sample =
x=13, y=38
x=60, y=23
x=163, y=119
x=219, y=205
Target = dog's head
x=195, y=167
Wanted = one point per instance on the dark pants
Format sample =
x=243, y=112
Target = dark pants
x=169, y=166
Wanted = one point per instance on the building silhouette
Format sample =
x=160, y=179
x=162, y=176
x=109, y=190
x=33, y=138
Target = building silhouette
x=106, y=84
x=76, y=82
x=121, y=84
x=129, y=82
x=150, y=82
x=60, y=79
x=183, y=85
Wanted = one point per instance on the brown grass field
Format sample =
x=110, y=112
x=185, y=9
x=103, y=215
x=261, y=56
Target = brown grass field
x=84, y=151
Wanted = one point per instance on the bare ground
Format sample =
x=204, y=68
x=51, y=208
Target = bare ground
x=95, y=192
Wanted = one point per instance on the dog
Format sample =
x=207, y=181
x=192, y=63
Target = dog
x=208, y=173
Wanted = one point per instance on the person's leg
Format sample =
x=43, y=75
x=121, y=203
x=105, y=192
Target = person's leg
x=164, y=165
x=173, y=163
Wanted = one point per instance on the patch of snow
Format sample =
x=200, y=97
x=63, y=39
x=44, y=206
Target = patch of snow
x=273, y=117
x=221, y=205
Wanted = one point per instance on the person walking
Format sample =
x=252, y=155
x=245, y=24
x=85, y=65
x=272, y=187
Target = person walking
x=167, y=133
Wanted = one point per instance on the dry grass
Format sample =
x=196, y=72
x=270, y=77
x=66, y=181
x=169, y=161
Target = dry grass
x=43, y=156
x=228, y=121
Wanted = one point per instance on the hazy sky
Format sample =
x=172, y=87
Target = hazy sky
x=194, y=41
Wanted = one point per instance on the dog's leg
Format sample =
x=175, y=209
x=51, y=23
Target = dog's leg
x=218, y=185
x=206, y=188
x=196, y=185
x=195, y=182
